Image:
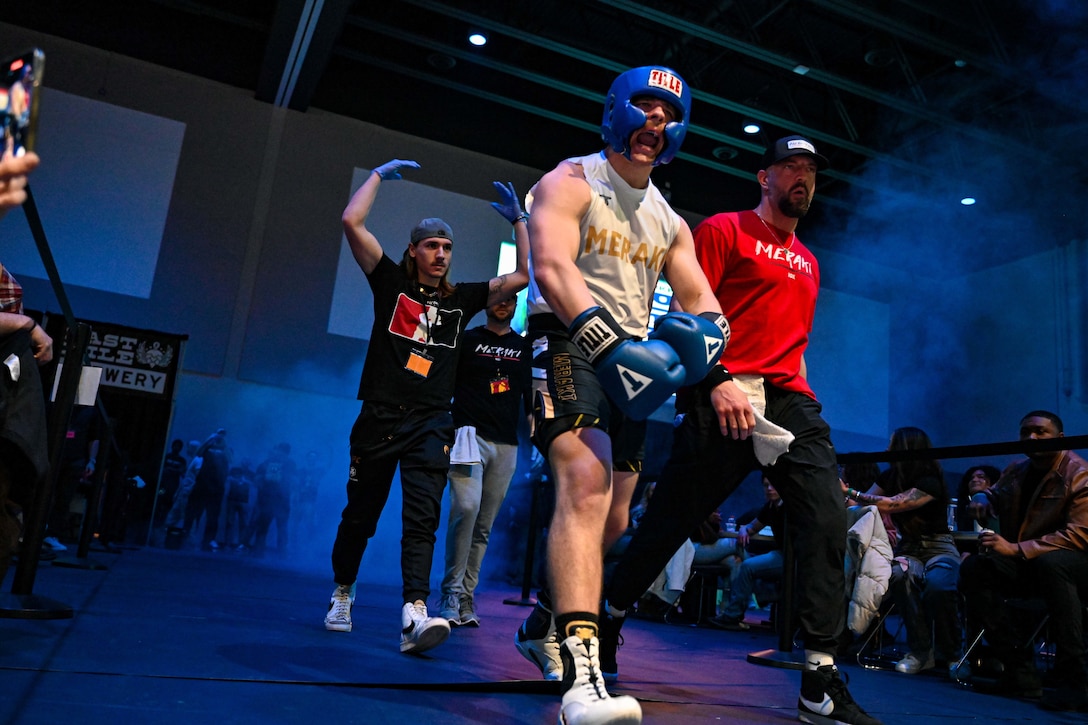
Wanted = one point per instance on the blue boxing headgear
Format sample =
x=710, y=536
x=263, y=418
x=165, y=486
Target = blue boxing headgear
x=621, y=119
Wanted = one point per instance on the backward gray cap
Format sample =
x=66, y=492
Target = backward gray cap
x=432, y=227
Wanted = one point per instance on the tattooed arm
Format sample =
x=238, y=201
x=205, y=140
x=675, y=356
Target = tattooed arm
x=908, y=500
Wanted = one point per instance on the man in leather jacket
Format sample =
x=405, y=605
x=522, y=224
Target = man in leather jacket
x=1042, y=504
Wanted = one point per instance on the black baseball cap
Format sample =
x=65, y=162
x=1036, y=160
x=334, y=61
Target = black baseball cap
x=788, y=146
x=432, y=227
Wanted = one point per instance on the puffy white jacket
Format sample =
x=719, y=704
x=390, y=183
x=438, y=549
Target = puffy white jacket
x=868, y=566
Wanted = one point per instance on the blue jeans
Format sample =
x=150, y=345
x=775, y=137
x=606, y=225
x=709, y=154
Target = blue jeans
x=926, y=597
x=764, y=566
x=476, y=492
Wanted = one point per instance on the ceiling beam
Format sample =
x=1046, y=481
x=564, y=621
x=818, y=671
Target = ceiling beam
x=998, y=66
x=300, y=43
x=553, y=84
x=821, y=76
x=505, y=100
x=524, y=36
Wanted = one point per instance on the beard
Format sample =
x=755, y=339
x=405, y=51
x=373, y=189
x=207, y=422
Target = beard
x=500, y=315
x=794, y=209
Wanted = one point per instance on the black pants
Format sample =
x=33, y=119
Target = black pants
x=204, y=499
x=704, y=468
x=1060, y=578
x=383, y=437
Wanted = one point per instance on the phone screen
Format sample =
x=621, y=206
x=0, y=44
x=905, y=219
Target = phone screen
x=21, y=83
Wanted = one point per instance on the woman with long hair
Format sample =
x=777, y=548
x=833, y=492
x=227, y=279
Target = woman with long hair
x=927, y=563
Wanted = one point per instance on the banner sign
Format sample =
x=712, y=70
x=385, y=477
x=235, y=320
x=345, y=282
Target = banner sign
x=142, y=362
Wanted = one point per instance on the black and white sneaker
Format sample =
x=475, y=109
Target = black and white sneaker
x=338, y=616
x=419, y=631
x=537, y=642
x=824, y=700
x=585, y=699
x=542, y=652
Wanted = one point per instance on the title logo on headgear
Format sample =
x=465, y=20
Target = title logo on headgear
x=666, y=81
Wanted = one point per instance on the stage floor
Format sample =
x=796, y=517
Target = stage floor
x=169, y=637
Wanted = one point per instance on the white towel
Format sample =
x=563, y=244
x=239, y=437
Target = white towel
x=465, y=451
x=768, y=439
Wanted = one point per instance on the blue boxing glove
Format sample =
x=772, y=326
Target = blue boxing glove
x=637, y=376
x=698, y=339
x=390, y=170
x=509, y=206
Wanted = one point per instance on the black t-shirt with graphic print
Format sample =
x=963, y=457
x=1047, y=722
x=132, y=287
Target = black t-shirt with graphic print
x=412, y=356
x=928, y=520
x=493, y=382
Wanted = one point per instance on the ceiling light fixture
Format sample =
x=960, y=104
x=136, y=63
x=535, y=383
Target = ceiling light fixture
x=750, y=127
x=441, y=61
x=967, y=201
x=477, y=39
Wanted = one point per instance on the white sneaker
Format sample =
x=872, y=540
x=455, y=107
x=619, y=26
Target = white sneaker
x=53, y=543
x=544, y=653
x=451, y=609
x=912, y=664
x=585, y=699
x=338, y=618
x=421, y=632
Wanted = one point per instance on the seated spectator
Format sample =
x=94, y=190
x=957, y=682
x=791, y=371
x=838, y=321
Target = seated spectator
x=862, y=477
x=713, y=545
x=926, y=564
x=1044, y=499
x=975, y=480
x=766, y=566
x=669, y=585
x=709, y=545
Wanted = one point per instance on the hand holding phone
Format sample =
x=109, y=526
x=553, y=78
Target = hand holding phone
x=20, y=84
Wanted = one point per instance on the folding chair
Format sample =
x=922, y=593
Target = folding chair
x=700, y=598
x=1032, y=606
x=879, y=649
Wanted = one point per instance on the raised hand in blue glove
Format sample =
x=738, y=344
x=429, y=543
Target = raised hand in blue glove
x=509, y=206
x=390, y=170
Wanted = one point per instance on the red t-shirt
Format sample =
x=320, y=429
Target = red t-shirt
x=767, y=291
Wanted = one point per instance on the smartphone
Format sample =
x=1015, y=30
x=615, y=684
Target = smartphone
x=20, y=85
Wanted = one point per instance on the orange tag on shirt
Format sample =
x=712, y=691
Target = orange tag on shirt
x=419, y=363
x=500, y=385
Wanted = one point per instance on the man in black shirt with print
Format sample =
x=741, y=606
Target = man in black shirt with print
x=407, y=383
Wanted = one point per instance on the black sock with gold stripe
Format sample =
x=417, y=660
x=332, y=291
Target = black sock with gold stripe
x=580, y=624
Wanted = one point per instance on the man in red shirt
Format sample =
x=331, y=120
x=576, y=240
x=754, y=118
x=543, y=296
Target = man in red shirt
x=767, y=283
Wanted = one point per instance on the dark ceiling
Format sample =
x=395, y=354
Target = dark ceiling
x=916, y=102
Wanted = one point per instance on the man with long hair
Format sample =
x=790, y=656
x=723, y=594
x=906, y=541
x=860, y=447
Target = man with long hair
x=406, y=387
